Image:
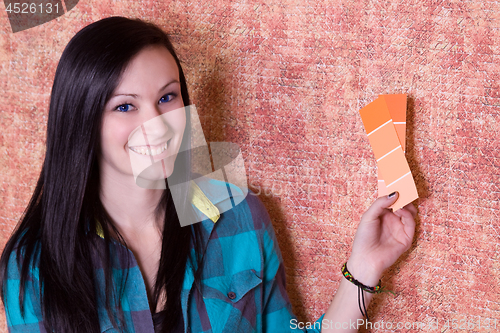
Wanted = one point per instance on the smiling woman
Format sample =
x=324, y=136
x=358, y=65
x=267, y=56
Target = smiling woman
x=148, y=95
x=86, y=189
x=96, y=252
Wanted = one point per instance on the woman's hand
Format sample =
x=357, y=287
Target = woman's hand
x=382, y=237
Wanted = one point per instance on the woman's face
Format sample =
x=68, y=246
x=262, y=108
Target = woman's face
x=144, y=120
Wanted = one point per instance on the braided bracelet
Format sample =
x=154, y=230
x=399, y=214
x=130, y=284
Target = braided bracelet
x=373, y=290
x=361, y=287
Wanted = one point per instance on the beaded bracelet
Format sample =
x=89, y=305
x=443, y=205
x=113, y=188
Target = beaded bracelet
x=361, y=287
x=373, y=290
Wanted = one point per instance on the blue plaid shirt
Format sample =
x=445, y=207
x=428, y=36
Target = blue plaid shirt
x=242, y=281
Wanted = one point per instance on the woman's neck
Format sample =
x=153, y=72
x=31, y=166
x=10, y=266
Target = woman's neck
x=132, y=211
x=131, y=208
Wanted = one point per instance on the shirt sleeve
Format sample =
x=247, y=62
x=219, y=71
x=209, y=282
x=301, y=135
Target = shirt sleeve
x=31, y=320
x=277, y=313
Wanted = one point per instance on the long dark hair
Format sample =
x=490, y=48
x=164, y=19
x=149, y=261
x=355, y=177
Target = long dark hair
x=57, y=232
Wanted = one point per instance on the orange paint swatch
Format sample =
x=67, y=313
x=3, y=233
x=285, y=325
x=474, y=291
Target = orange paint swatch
x=385, y=123
x=396, y=103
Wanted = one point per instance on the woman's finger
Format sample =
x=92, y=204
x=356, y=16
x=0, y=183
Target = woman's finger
x=408, y=222
x=411, y=207
x=404, y=214
x=379, y=206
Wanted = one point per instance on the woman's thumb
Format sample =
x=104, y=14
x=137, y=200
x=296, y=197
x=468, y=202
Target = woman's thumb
x=380, y=205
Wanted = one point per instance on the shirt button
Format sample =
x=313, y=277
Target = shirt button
x=231, y=295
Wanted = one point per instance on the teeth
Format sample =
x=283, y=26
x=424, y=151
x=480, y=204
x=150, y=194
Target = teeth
x=149, y=151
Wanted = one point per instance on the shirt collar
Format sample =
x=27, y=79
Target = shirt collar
x=203, y=204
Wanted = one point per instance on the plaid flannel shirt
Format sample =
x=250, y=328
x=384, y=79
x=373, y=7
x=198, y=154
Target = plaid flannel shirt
x=242, y=281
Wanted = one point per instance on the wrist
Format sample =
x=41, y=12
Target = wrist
x=364, y=272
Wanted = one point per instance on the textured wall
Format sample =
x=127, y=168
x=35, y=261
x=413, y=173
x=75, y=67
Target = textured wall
x=285, y=80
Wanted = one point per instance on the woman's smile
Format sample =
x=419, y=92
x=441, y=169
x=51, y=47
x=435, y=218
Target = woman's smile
x=151, y=150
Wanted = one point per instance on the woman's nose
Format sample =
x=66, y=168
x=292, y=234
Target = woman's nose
x=154, y=124
x=149, y=111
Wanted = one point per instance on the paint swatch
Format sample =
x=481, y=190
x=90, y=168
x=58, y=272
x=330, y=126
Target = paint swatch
x=385, y=123
x=396, y=103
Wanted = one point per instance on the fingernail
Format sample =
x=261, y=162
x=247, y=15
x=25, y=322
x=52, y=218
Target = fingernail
x=392, y=195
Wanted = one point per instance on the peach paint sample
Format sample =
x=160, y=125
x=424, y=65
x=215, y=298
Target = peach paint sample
x=396, y=103
x=388, y=149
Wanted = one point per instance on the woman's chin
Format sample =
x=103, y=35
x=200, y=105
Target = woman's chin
x=154, y=176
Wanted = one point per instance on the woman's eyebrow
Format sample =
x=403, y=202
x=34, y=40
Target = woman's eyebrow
x=171, y=82
x=135, y=95
x=131, y=95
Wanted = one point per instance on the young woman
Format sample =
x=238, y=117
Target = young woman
x=95, y=252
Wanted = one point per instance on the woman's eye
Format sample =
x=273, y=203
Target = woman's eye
x=166, y=98
x=124, y=107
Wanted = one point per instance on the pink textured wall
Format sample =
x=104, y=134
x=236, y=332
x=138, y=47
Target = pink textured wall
x=285, y=80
